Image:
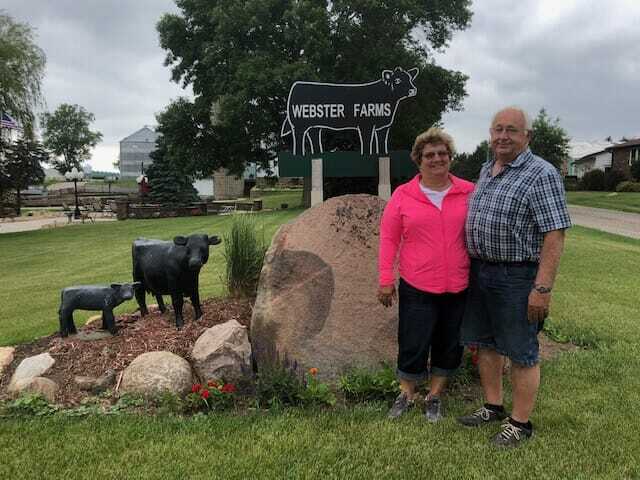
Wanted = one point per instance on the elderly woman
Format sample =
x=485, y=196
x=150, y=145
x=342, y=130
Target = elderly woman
x=423, y=225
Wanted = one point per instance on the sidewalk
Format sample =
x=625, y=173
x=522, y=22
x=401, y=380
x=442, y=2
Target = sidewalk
x=19, y=225
x=612, y=221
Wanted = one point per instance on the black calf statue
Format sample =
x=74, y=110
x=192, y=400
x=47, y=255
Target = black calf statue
x=170, y=268
x=92, y=297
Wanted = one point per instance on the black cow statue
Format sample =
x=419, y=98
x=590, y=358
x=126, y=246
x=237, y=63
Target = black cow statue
x=93, y=297
x=170, y=268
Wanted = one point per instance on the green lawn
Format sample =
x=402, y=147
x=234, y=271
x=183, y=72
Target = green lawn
x=623, y=201
x=272, y=199
x=37, y=265
x=586, y=418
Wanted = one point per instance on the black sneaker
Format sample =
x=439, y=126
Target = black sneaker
x=401, y=405
x=433, y=411
x=481, y=416
x=511, y=436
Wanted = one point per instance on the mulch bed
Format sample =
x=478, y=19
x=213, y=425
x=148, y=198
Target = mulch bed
x=136, y=335
x=157, y=332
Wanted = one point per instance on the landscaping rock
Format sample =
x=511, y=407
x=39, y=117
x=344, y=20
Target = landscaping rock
x=223, y=352
x=317, y=300
x=28, y=369
x=96, y=384
x=41, y=386
x=154, y=372
x=6, y=357
x=89, y=336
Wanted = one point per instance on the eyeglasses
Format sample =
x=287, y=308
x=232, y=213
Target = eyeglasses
x=440, y=153
x=510, y=131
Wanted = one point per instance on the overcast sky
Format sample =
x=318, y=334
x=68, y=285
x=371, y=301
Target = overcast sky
x=579, y=59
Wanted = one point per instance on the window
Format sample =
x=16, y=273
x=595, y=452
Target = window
x=634, y=155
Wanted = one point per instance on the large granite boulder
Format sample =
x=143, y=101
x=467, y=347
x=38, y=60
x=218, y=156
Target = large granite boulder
x=317, y=300
x=6, y=357
x=40, y=386
x=223, y=352
x=155, y=372
x=28, y=369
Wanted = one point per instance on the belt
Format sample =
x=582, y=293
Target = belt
x=507, y=264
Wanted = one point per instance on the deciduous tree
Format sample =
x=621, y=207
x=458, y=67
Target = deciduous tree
x=22, y=65
x=468, y=165
x=549, y=140
x=241, y=58
x=68, y=136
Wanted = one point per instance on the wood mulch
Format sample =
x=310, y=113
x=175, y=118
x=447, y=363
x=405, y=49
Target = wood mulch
x=136, y=335
x=157, y=332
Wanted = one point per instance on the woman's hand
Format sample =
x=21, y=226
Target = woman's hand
x=386, y=295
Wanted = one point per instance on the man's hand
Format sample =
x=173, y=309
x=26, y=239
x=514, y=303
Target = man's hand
x=538, y=306
x=386, y=295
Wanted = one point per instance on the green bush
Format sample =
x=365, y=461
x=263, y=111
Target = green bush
x=612, y=178
x=278, y=383
x=592, y=181
x=362, y=385
x=244, y=250
x=571, y=183
x=635, y=170
x=28, y=405
x=316, y=392
x=628, y=186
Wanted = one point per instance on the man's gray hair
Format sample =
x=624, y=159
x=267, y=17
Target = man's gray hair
x=528, y=126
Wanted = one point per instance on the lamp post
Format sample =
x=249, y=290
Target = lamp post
x=110, y=179
x=74, y=176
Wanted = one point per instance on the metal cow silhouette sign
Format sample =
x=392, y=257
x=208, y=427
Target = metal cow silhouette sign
x=368, y=108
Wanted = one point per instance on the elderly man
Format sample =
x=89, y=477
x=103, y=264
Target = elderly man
x=515, y=236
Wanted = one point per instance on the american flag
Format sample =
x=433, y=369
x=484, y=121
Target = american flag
x=7, y=122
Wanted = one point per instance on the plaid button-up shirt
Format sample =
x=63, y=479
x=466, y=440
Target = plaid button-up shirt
x=509, y=213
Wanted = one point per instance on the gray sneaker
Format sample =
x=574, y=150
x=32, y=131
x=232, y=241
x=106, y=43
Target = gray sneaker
x=433, y=411
x=401, y=405
x=481, y=416
x=511, y=436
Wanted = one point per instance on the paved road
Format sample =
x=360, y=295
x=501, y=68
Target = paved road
x=611, y=221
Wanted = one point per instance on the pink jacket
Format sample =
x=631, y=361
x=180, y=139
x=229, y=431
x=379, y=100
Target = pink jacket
x=433, y=256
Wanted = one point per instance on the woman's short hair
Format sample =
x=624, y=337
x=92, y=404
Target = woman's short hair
x=433, y=136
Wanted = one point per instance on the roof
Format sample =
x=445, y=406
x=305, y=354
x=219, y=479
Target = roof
x=629, y=143
x=581, y=149
x=145, y=134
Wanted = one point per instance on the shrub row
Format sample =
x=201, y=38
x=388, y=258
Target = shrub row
x=598, y=181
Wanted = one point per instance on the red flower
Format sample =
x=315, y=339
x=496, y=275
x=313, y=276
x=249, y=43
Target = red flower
x=212, y=384
x=204, y=394
x=474, y=355
x=313, y=371
x=196, y=388
x=228, y=388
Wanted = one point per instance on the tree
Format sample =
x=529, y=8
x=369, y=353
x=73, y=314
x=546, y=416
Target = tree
x=242, y=57
x=168, y=182
x=67, y=134
x=22, y=166
x=549, y=140
x=21, y=71
x=467, y=165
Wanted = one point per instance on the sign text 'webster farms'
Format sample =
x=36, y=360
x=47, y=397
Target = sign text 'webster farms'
x=368, y=108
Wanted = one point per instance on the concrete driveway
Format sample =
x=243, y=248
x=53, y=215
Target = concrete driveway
x=612, y=221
